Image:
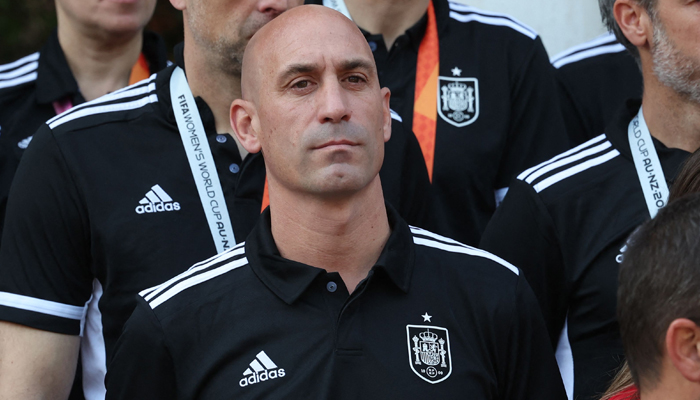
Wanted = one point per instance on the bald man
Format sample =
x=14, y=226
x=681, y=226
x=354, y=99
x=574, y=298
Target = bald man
x=332, y=296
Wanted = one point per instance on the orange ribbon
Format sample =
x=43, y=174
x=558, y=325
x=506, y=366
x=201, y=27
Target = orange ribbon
x=425, y=99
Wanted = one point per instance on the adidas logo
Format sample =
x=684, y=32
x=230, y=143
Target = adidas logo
x=261, y=369
x=157, y=200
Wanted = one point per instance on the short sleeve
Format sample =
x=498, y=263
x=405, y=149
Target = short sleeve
x=142, y=367
x=45, y=278
x=522, y=233
x=537, y=130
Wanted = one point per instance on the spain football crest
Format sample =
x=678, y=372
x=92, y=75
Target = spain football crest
x=429, y=352
x=458, y=102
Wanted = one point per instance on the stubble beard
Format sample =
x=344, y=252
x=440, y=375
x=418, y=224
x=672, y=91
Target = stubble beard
x=673, y=68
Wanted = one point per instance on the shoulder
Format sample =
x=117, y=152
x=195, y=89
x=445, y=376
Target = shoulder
x=199, y=282
x=117, y=107
x=18, y=75
x=504, y=24
x=573, y=169
x=459, y=255
x=592, y=50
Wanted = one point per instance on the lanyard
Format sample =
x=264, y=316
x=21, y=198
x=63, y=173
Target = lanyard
x=426, y=92
x=201, y=161
x=646, y=162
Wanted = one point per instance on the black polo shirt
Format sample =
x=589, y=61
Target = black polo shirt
x=565, y=223
x=432, y=319
x=28, y=88
x=594, y=79
x=104, y=205
x=518, y=123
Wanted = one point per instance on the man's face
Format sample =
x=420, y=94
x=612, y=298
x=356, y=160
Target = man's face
x=113, y=16
x=225, y=26
x=676, y=46
x=321, y=114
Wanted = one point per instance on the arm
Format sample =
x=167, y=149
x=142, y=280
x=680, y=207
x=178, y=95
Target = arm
x=142, y=367
x=522, y=233
x=36, y=364
x=531, y=369
x=537, y=130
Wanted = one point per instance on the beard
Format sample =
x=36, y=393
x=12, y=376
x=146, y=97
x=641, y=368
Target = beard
x=229, y=46
x=673, y=68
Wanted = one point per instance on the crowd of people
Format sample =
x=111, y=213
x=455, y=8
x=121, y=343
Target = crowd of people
x=351, y=199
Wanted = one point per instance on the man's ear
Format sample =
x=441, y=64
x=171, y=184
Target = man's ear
x=634, y=22
x=179, y=4
x=244, y=124
x=386, y=95
x=683, y=348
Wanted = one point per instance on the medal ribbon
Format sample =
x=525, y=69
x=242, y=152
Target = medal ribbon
x=425, y=99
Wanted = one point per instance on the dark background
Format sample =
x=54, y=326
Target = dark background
x=25, y=25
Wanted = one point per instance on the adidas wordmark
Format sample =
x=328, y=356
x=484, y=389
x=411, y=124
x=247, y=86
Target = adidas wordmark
x=261, y=369
x=157, y=200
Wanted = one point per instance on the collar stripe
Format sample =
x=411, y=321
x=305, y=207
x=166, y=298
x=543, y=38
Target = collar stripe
x=567, y=153
x=575, y=170
x=569, y=160
x=609, y=49
x=25, y=69
x=458, y=10
x=196, y=280
x=137, y=89
x=132, y=105
x=423, y=237
x=18, y=81
x=21, y=61
x=150, y=293
x=602, y=40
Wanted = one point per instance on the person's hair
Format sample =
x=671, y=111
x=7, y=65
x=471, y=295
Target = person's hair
x=659, y=282
x=688, y=179
x=622, y=381
x=606, y=13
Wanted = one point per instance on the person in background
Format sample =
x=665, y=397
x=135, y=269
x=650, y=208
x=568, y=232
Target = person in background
x=565, y=222
x=659, y=305
x=594, y=79
x=97, y=48
x=333, y=295
x=479, y=92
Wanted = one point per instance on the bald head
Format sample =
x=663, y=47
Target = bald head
x=298, y=30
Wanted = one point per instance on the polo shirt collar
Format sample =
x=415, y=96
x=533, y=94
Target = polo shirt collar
x=671, y=158
x=54, y=80
x=290, y=279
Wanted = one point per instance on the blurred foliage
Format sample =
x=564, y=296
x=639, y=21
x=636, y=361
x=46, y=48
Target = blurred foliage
x=25, y=25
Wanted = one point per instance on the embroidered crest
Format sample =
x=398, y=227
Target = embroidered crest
x=459, y=100
x=429, y=352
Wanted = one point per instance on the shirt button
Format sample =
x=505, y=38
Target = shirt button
x=331, y=286
x=221, y=138
x=234, y=168
x=373, y=45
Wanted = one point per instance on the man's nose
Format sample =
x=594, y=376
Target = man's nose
x=274, y=7
x=333, y=103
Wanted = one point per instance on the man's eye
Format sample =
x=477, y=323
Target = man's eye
x=301, y=85
x=355, y=79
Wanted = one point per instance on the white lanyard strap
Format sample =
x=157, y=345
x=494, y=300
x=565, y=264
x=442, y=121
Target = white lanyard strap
x=338, y=5
x=194, y=138
x=646, y=161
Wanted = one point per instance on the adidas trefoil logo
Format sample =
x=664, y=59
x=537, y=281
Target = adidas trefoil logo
x=261, y=370
x=157, y=200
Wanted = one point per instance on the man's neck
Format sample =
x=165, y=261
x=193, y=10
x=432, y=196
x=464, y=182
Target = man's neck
x=390, y=18
x=100, y=63
x=216, y=87
x=672, y=119
x=339, y=236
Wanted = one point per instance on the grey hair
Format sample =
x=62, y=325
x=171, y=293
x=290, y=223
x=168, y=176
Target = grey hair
x=606, y=12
